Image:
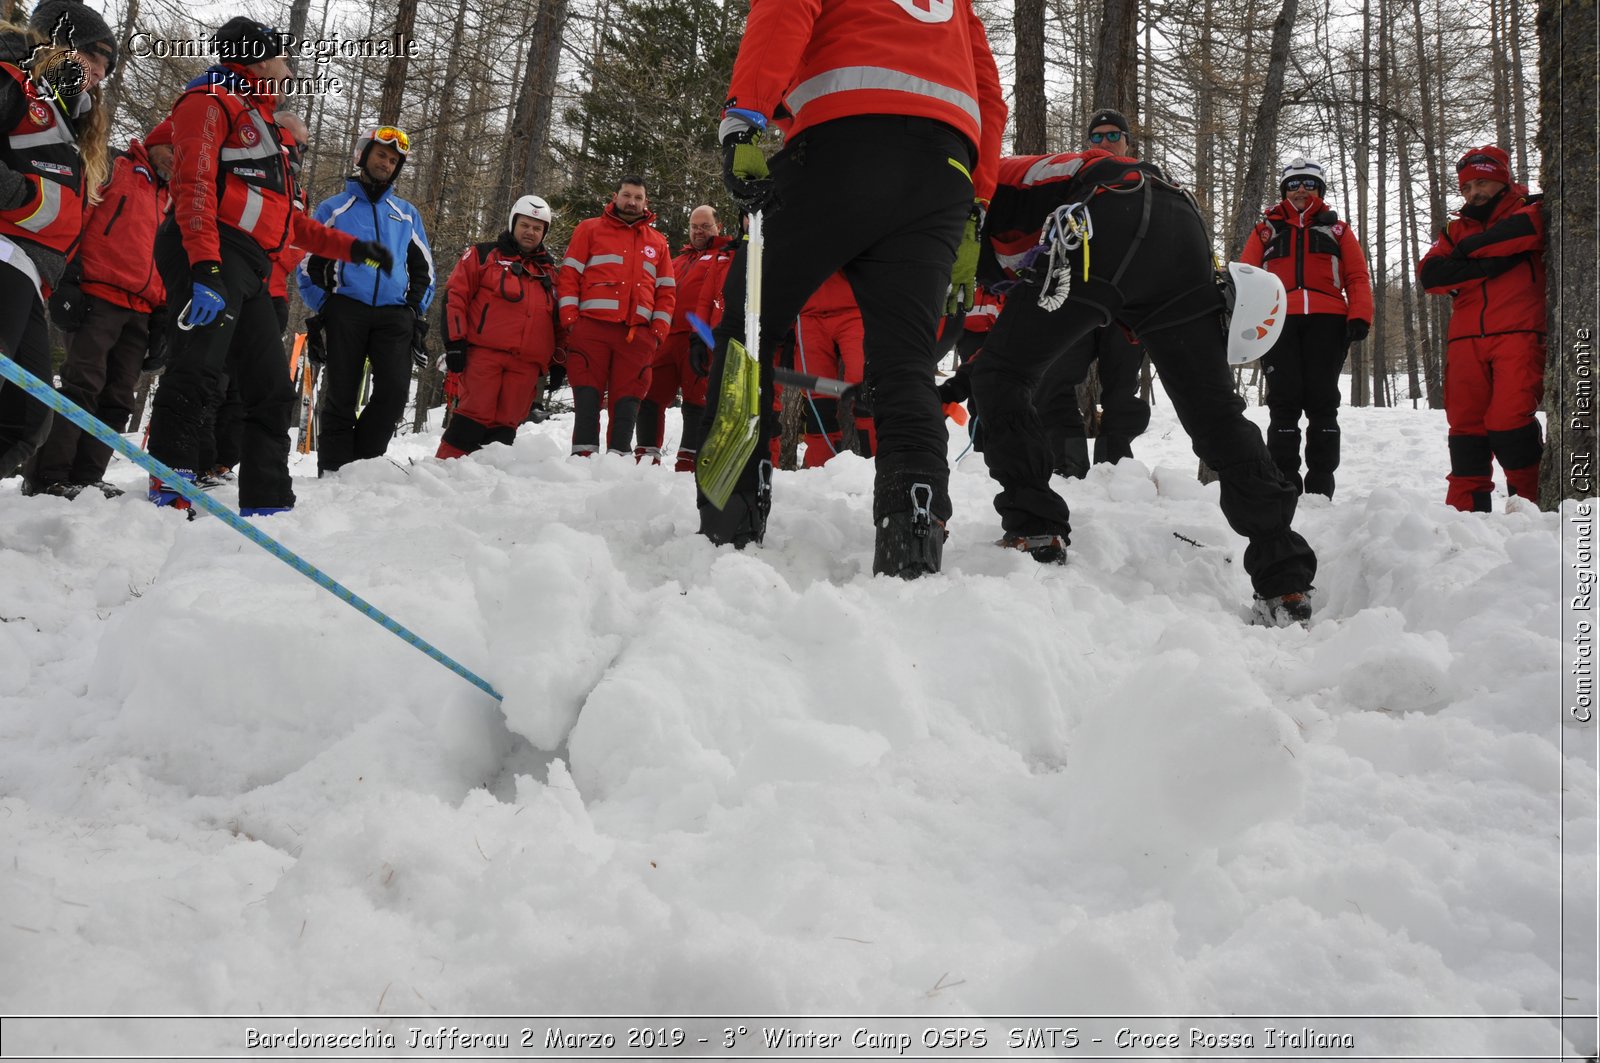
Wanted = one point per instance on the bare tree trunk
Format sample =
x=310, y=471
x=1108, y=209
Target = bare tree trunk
x=1377, y=352
x=114, y=92
x=535, y=103
x=1265, y=133
x=1205, y=162
x=1027, y=23
x=1116, y=76
x=1568, y=66
x=1519, y=105
x=299, y=11
x=1408, y=259
x=394, y=78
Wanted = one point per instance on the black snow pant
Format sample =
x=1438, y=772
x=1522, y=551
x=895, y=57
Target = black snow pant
x=1123, y=414
x=25, y=339
x=1303, y=378
x=358, y=334
x=1151, y=272
x=100, y=374
x=244, y=344
x=879, y=197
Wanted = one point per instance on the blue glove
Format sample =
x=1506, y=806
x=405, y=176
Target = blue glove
x=207, y=300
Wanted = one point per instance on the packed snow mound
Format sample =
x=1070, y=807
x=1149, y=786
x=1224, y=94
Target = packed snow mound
x=767, y=782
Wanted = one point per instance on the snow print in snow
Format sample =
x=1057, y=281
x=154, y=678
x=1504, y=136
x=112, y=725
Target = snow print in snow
x=766, y=782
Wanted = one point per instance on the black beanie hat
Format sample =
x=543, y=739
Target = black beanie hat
x=1107, y=116
x=244, y=40
x=75, y=25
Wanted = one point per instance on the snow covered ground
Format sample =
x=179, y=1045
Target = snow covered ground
x=767, y=783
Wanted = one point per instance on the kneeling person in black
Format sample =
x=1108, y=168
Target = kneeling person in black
x=1150, y=269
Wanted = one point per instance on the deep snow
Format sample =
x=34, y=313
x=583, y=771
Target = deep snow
x=765, y=782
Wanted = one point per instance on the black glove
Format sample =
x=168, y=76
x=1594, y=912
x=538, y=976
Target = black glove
x=69, y=307
x=699, y=356
x=558, y=377
x=323, y=273
x=955, y=389
x=1355, y=331
x=155, y=352
x=744, y=167
x=372, y=253
x=419, y=349
x=455, y=356
x=316, y=343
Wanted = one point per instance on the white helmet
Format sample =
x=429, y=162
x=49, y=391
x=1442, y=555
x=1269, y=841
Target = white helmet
x=533, y=207
x=1302, y=167
x=1259, y=304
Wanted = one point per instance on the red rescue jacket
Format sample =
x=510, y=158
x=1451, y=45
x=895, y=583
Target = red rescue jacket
x=230, y=168
x=115, y=256
x=500, y=299
x=39, y=142
x=700, y=276
x=1317, y=258
x=617, y=271
x=1497, y=279
x=828, y=59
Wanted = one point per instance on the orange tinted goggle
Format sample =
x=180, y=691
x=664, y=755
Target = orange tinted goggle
x=390, y=135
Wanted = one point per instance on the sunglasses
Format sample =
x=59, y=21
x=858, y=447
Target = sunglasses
x=1307, y=183
x=390, y=135
x=1113, y=136
x=1478, y=160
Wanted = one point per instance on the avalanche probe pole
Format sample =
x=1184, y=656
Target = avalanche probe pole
x=48, y=395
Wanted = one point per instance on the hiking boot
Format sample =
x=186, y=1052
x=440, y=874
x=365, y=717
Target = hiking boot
x=67, y=491
x=163, y=495
x=1045, y=549
x=1283, y=611
x=744, y=519
x=910, y=542
x=107, y=489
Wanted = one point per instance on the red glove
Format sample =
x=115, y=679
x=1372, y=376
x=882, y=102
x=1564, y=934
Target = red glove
x=452, y=386
x=568, y=316
x=659, y=327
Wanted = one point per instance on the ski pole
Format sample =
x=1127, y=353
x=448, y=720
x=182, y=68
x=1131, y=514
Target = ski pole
x=48, y=395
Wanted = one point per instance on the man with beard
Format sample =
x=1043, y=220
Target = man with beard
x=617, y=294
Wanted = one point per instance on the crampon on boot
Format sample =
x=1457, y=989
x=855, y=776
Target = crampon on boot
x=1285, y=610
x=910, y=542
x=1045, y=549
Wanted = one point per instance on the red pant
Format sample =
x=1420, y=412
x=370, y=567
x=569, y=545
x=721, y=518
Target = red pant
x=1492, y=386
x=610, y=357
x=497, y=388
x=830, y=345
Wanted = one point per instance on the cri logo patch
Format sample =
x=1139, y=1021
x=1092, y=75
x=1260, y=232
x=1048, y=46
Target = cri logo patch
x=39, y=113
x=249, y=135
x=649, y=252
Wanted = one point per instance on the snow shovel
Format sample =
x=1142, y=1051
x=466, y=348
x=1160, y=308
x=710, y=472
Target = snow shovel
x=731, y=437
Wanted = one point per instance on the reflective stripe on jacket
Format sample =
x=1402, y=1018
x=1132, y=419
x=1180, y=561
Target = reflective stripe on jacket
x=42, y=146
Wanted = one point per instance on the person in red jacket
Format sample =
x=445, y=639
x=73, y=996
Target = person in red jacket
x=1152, y=272
x=617, y=297
x=700, y=270
x=895, y=116
x=1324, y=272
x=233, y=209
x=107, y=304
x=1490, y=261
x=501, y=330
x=828, y=342
x=52, y=160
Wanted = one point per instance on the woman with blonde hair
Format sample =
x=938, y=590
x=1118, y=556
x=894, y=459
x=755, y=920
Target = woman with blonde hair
x=53, y=160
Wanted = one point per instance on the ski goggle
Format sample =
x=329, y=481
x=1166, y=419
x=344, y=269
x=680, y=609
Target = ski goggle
x=1308, y=183
x=388, y=134
x=1113, y=136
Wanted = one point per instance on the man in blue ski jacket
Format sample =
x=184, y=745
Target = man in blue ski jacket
x=366, y=315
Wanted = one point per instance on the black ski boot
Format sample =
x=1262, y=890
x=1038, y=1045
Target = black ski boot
x=1045, y=549
x=619, y=436
x=910, y=542
x=585, y=421
x=744, y=519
